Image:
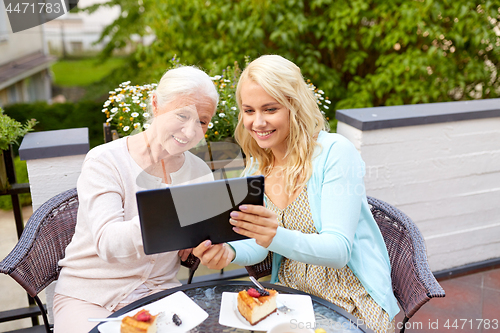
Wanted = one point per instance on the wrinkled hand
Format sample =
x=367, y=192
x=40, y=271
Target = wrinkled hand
x=184, y=254
x=215, y=256
x=256, y=222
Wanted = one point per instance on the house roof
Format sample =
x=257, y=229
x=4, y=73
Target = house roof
x=21, y=68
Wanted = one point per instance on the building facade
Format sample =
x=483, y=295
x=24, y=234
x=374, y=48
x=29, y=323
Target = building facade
x=24, y=64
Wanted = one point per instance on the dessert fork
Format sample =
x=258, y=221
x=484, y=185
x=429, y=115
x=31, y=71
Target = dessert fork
x=279, y=306
x=160, y=315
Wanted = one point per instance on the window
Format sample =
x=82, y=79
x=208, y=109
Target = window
x=76, y=47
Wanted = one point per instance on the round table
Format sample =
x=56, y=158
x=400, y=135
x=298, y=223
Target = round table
x=208, y=296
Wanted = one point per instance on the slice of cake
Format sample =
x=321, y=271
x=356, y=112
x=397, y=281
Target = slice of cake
x=141, y=322
x=256, y=305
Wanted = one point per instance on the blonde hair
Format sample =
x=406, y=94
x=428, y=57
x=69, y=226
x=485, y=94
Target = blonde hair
x=283, y=81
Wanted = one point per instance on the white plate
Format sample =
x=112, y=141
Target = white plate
x=179, y=303
x=303, y=312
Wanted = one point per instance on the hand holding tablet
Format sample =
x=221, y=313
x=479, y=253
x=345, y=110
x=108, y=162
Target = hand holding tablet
x=184, y=216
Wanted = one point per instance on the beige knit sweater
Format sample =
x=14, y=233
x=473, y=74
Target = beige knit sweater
x=105, y=260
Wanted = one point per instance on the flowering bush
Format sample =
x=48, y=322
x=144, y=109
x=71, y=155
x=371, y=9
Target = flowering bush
x=127, y=107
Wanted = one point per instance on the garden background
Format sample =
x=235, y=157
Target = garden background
x=361, y=53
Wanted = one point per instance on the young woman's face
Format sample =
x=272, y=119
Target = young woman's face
x=267, y=120
x=182, y=123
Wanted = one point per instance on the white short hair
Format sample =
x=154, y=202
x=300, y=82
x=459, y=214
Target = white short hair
x=185, y=80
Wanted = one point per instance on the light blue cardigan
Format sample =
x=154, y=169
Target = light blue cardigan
x=348, y=234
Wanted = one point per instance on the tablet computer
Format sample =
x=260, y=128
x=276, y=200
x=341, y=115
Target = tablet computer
x=183, y=216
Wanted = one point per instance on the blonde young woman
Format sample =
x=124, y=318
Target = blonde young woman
x=316, y=220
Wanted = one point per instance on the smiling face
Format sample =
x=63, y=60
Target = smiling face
x=267, y=120
x=182, y=123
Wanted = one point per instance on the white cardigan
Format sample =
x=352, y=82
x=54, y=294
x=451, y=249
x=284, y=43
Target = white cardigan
x=105, y=261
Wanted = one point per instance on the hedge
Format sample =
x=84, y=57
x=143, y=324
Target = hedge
x=62, y=116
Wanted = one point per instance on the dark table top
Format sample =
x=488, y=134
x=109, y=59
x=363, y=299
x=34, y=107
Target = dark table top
x=208, y=296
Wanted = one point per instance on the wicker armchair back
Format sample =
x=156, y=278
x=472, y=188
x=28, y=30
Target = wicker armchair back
x=33, y=262
x=412, y=280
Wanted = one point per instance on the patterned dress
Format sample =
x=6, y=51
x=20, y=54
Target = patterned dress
x=338, y=286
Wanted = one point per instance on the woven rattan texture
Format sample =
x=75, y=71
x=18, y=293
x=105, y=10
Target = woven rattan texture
x=33, y=261
x=412, y=280
x=261, y=269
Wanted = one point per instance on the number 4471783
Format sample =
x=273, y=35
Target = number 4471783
x=471, y=324
x=30, y=7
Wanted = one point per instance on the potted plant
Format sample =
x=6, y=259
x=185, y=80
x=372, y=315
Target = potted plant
x=10, y=131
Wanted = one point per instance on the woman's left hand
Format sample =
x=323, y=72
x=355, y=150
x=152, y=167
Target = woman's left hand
x=184, y=254
x=256, y=222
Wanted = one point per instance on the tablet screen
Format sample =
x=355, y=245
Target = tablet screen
x=180, y=217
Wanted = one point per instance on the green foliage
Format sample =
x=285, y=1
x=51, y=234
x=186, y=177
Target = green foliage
x=83, y=72
x=361, y=52
x=62, y=116
x=21, y=177
x=11, y=130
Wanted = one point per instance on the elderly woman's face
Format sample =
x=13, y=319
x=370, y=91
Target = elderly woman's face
x=183, y=122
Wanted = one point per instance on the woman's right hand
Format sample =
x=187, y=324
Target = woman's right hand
x=215, y=256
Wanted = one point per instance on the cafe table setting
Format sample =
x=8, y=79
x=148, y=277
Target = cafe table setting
x=211, y=306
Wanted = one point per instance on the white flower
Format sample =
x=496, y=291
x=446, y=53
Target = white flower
x=216, y=121
x=126, y=128
x=109, y=120
x=145, y=115
x=227, y=80
x=321, y=92
x=143, y=105
x=210, y=125
x=146, y=126
x=135, y=97
x=104, y=110
x=223, y=102
x=216, y=77
x=328, y=101
x=107, y=102
x=134, y=114
x=118, y=89
x=114, y=110
x=326, y=107
x=222, y=115
x=233, y=108
x=136, y=125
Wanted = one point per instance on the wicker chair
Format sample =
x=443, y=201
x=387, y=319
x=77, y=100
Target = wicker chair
x=412, y=280
x=33, y=262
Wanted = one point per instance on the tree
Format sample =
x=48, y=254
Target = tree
x=362, y=52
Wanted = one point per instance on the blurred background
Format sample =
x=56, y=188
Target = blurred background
x=355, y=54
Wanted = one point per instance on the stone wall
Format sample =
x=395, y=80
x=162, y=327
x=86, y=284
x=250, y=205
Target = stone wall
x=440, y=164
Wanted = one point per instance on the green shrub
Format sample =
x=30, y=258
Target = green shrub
x=62, y=116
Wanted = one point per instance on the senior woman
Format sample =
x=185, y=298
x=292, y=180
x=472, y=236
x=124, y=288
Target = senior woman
x=105, y=267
